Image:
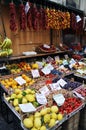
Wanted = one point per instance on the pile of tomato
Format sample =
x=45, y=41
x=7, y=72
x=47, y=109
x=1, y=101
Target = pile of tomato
x=70, y=105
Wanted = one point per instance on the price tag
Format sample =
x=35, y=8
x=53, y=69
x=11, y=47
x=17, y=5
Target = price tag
x=27, y=7
x=35, y=73
x=50, y=67
x=44, y=90
x=40, y=64
x=28, y=107
x=59, y=99
x=78, y=18
x=46, y=46
x=71, y=66
x=57, y=58
x=46, y=71
x=72, y=61
x=80, y=71
x=65, y=62
x=41, y=99
x=20, y=80
x=55, y=86
x=66, y=57
x=61, y=82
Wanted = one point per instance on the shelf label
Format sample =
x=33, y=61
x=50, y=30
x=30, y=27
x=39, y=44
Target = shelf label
x=20, y=80
x=35, y=73
x=44, y=90
x=41, y=99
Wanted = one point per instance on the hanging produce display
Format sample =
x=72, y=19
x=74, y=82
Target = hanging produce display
x=43, y=18
x=22, y=17
x=13, y=23
x=57, y=19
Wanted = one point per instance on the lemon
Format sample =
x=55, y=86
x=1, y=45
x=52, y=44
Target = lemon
x=17, y=91
x=43, y=111
x=54, y=109
x=43, y=128
x=30, y=98
x=54, y=115
x=13, y=96
x=19, y=95
x=59, y=116
x=28, y=123
x=34, y=128
x=24, y=100
x=52, y=123
x=37, y=122
x=37, y=114
x=47, y=118
x=17, y=108
x=15, y=102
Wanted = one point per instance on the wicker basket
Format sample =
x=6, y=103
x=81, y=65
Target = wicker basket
x=82, y=122
x=41, y=49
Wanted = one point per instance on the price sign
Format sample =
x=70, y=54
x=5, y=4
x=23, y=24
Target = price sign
x=44, y=90
x=57, y=58
x=55, y=86
x=27, y=7
x=28, y=107
x=61, y=82
x=59, y=99
x=41, y=99
x=35, y=73
x=65, y=62
x=66, y=57
x=40, y=64
x=46, y=71
x=20, y=80
x=72, y=61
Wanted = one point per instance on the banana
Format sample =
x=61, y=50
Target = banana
x=6, y=43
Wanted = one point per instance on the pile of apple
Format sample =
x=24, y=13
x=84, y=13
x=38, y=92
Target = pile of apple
x=41, y=120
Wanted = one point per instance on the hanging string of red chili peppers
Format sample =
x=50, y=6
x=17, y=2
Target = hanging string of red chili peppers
x=13, y=23
x=41, y=18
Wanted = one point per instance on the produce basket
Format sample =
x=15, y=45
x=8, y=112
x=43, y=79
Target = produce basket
x=42, y=49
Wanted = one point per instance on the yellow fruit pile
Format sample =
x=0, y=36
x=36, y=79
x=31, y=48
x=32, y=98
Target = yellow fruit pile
x=22, y=97
x=11, y=83
x=45, y=118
